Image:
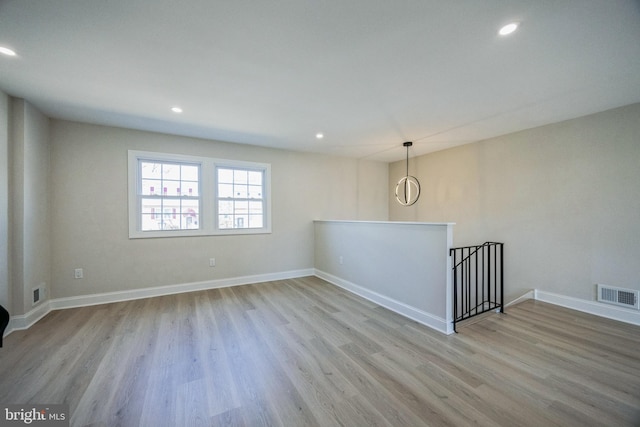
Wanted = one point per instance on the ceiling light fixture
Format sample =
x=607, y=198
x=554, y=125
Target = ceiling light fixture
x=319, y=135
x=7, y=51
x=509, y=28
x=408, y=188
x=176, y=110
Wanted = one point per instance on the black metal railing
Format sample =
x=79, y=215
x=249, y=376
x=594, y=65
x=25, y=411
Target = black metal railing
x=478, y=285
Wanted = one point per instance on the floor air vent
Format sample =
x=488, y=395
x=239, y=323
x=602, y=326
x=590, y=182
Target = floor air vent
x=618, y=296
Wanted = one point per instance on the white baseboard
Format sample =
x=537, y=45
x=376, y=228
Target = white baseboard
x=592, y=307
x=528, y=295
x=109, y=297
x=427, y=319
x=25, y=321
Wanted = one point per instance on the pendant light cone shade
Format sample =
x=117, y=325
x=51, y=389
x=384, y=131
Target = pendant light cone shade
x=408, y=188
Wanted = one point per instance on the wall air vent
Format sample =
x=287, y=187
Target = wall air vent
x=38, y=293
x=618, y=296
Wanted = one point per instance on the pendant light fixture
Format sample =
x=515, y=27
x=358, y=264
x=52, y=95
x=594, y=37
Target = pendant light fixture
x=408, y=188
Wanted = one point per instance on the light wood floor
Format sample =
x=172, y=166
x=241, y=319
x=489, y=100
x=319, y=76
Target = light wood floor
x=304, y=353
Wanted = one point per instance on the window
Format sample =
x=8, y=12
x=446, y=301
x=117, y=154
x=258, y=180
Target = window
x=169, y=197
x=240, y=200
x=175, y=195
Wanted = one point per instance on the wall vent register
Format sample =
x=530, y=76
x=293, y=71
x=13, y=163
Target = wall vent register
x=618, y=296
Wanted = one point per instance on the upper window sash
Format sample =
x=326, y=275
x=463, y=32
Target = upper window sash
x=230, y=191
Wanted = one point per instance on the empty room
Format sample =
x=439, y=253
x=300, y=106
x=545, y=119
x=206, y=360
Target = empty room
x=307, y=213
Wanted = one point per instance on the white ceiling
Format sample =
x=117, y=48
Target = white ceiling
x=369, y=74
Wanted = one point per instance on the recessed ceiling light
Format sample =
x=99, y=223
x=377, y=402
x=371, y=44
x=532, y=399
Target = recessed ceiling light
x=176, y=110
x=509, y=28
x=7, y=51
x=319, y=135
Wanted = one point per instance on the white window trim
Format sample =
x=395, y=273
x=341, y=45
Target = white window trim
x=208, y=190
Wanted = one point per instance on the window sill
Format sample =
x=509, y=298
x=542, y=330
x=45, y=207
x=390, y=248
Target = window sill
x=194, y=233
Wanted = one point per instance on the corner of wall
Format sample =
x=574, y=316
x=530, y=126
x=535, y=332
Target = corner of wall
x=5, y=287
x=28, y=240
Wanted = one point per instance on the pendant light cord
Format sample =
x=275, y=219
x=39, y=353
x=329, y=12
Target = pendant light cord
x=408, y=144
x=407, y=161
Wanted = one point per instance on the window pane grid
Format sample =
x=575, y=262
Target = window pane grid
x=240, y=201
x=169, y=179
x=169, y=196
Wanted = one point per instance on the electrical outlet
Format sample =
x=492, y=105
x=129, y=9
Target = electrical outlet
x=341, y=260
x=78, y=273
x=212, y=262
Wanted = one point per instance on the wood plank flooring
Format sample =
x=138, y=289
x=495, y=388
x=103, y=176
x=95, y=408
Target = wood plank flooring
x=302, y=352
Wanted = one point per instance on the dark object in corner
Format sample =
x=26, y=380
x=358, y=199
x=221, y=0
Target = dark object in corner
x=4, y=321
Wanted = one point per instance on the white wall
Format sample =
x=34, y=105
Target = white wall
x=402, y=266
x=564, y=198
x=89, y=212
x=5, y=290
x=29, y=205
